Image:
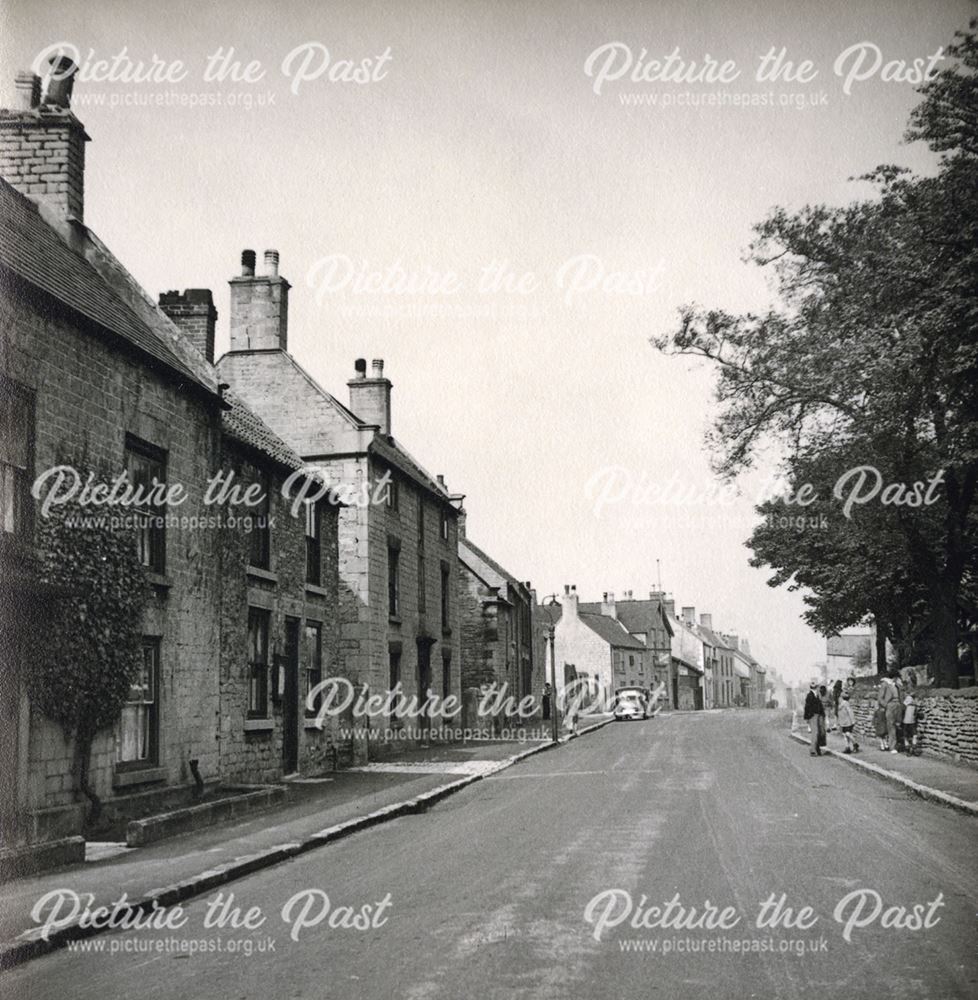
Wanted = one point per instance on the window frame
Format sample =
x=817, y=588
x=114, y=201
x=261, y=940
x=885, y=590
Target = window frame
x=446, y=604
x=446, y=673
x=150, y=644
x=258, y=669
x=313, y=665
x=154, y=559
x=393, y=578
x=20, y=477
x=314, y=543
x=260, y=536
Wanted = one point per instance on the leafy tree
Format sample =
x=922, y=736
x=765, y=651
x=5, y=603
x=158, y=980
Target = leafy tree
x=873, y=349
x=851, y=567
x=89, y=651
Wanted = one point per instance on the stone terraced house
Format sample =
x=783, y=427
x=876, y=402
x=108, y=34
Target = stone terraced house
x=398, y=533
x=94, y=372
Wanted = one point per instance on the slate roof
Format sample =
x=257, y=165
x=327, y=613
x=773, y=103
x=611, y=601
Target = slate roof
x=242, y=425
x=465, y=543
x=711, y=637
x=612, y=631
x=634, y=615
x=34, y=250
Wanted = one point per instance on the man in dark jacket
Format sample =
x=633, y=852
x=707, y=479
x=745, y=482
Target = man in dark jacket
x=815, y=717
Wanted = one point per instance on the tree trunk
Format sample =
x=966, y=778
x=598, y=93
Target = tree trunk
x=880, y=636
x=83, y=760
x=945, y=648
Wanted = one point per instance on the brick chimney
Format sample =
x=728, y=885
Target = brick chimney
x=706, y=621
x=194, y=313
x=42, y=144
x=259, y=306
x=689, y=616
x=608, y=608
x=370, y=398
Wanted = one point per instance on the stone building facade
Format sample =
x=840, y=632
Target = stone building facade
x=279, y=627
x=398, y=533
x=100, y=377
x=648, y=622
x=495, y=618
x=596, y=650
x=97, y=375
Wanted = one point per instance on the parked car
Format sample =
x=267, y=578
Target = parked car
x=630, y=704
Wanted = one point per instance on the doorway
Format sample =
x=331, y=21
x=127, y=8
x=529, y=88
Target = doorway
x=290, y=699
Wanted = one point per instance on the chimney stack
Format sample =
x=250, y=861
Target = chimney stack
x=259, y=306
x=569, y=603
x=689, y=616
x=194, y=313
x=42, y=144
x=608, y=608
x=370, y=398
x=669, y=605
x=706, y=621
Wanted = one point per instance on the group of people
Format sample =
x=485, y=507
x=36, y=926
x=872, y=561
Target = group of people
x=896, y=716
x=894, y=720
x=821, y=705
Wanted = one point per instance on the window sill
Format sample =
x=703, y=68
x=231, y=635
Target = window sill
x=394, y=619
x=316, y=589
x=128, y=774
x=259, y=725
x=262, y=574
x=158, y=579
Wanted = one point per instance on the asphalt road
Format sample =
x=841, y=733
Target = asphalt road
x=492, y=893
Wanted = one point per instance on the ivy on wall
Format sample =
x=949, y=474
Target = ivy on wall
x=89, y=646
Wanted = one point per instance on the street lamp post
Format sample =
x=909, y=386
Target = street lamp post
x=551, y=635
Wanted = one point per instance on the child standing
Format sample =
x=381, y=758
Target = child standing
x=910, y=724
x=847, y=722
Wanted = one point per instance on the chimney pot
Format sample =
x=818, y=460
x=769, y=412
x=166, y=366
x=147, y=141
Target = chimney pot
x=370, y=399
x=61, y=82
x=271, y=263
x=247, y=263
x=360, y=367
x=48, y=144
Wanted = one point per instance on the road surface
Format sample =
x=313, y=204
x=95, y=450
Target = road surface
x=525, y=886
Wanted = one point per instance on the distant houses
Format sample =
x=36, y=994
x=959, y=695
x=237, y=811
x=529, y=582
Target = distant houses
x=597, y=647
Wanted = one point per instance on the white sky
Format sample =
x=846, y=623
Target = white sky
x=485, y=141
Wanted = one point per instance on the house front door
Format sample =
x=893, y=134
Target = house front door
x=290, y=699
x=424, y=684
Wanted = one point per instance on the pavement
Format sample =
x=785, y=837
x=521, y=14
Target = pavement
x=948, y=782
x=538, y=882
x=317, y=811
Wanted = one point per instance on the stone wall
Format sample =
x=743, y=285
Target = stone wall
x=250, y=753
x=948, y=724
